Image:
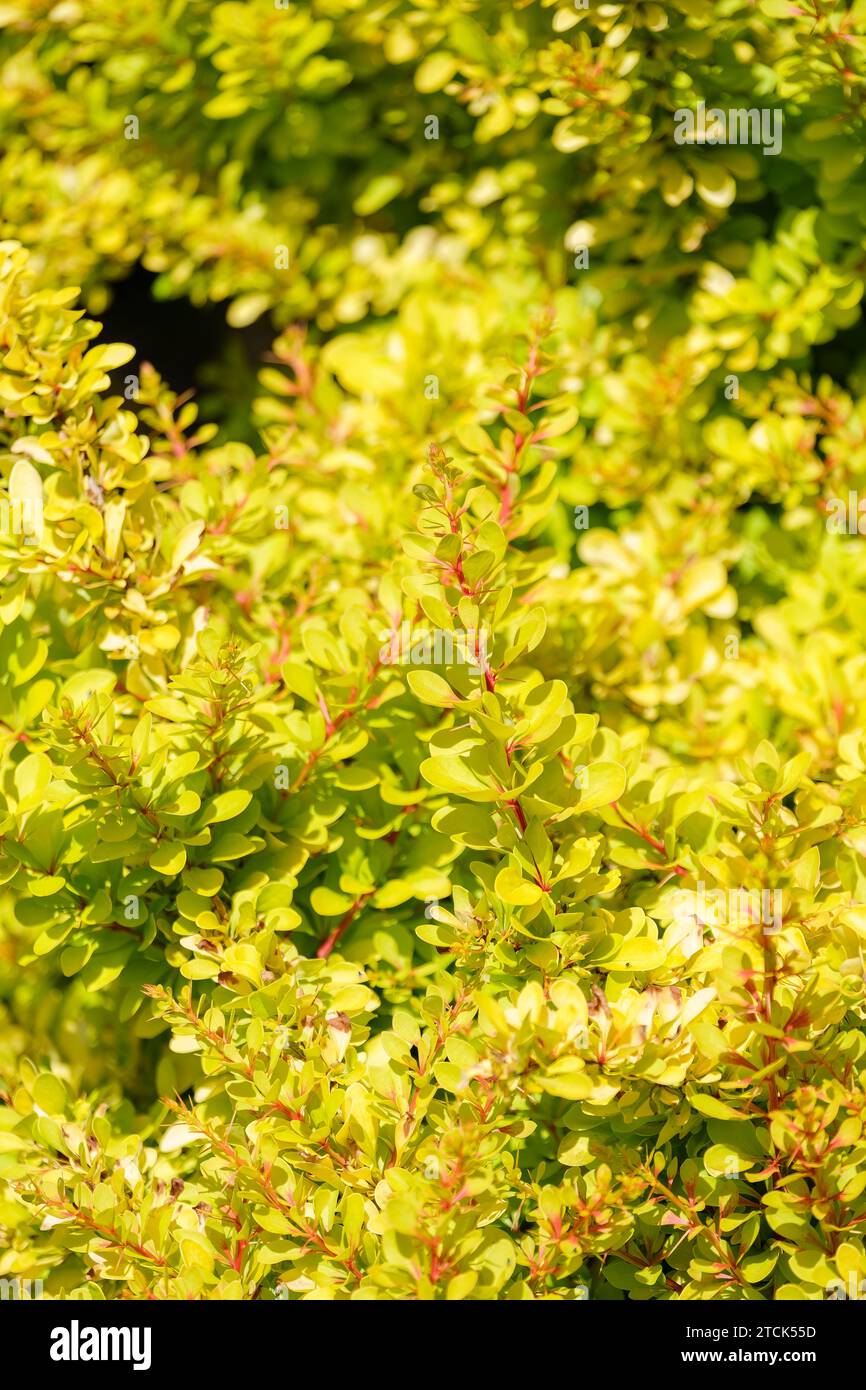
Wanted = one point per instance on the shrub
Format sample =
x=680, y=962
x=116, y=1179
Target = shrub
x=434, y=833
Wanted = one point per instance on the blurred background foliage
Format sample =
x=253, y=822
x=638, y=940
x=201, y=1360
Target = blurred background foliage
x=347, y=222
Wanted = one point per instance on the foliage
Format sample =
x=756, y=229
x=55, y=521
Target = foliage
x=328, y=972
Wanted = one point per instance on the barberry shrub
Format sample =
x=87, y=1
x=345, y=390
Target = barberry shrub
x=433, y=825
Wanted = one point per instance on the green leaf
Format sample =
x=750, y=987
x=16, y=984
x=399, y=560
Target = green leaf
x=49, y=1094
x=378, y=192
x=711, y=1105
x=186, y=544
x=246, y=309
x=637, y=954
x=107, y=357
x=226, y=806
x=430, y=688
x=435, y=72
x=759, y=1266
x=601, y=783
x=168, y=859
x=32, y=776
x=511, y=887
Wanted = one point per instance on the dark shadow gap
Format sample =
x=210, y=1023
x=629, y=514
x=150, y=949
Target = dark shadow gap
x=191, y=348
